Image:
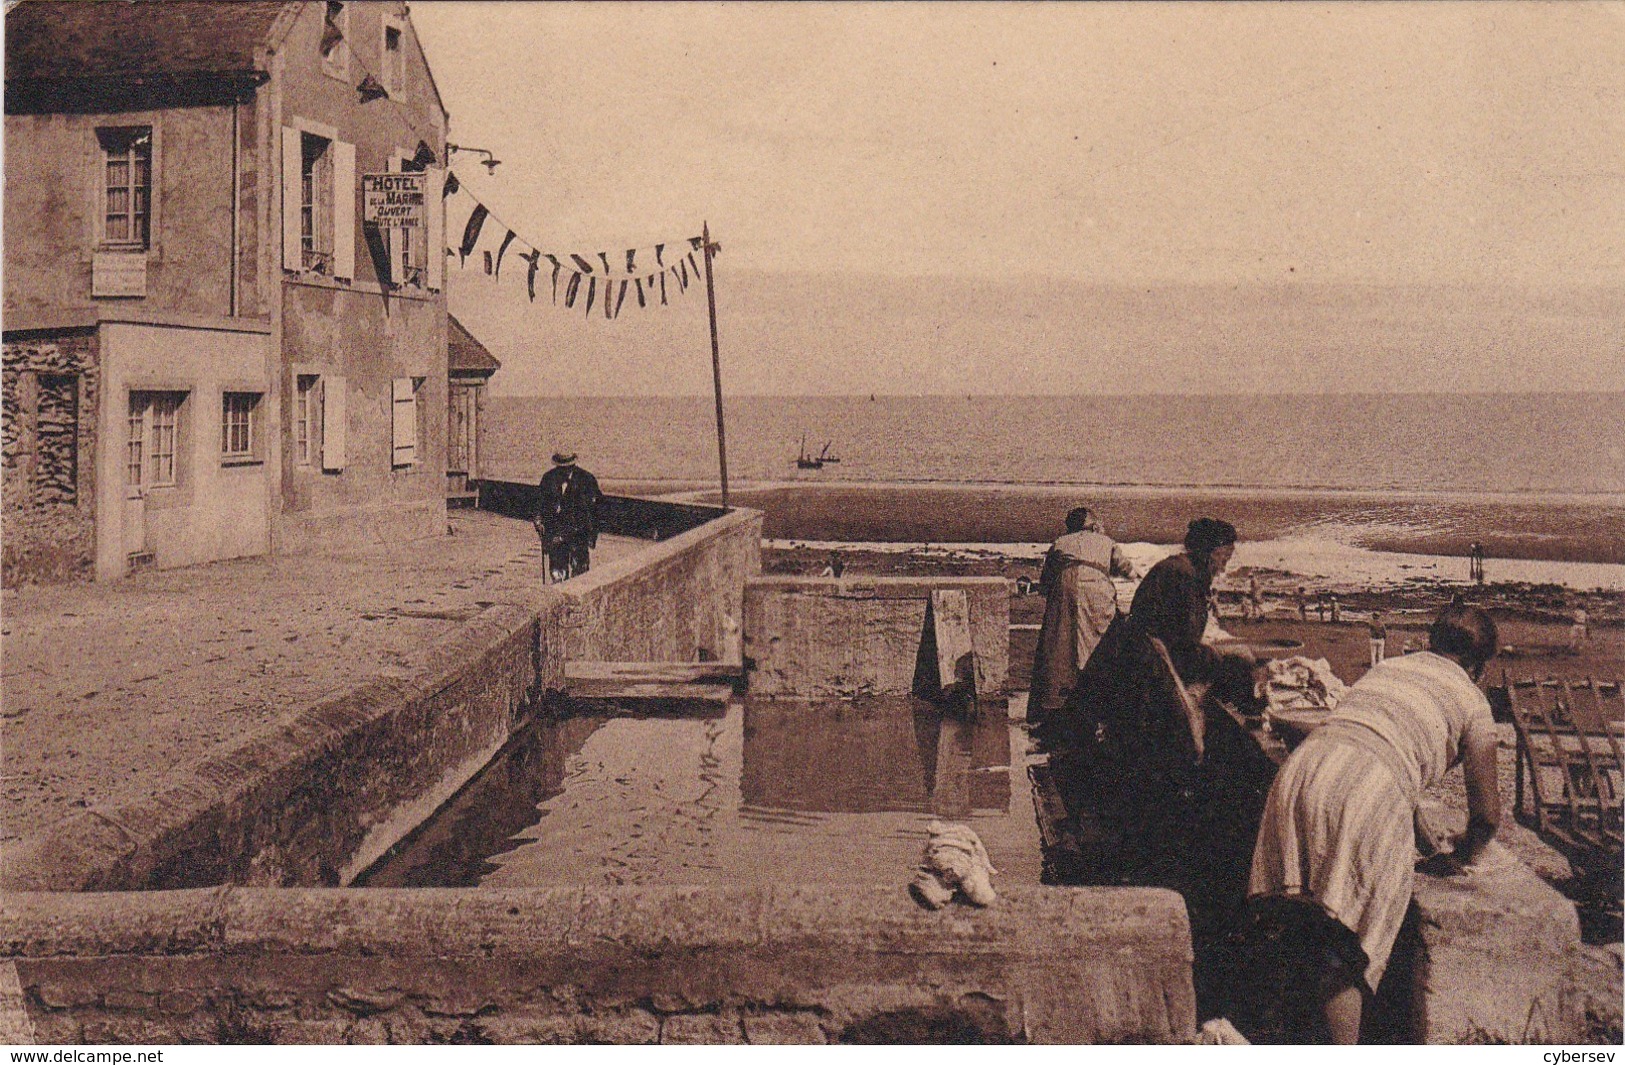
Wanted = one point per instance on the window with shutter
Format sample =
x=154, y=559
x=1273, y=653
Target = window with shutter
x=405, y=422
x=394, y=60
x=335, y=422
x=318, y=204
x=335, y=48
x=307, y=419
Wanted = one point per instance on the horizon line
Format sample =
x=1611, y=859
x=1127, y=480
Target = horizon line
x=878, y=394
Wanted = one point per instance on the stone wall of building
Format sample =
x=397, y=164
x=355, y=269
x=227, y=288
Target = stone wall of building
x=51, y=393
x=621, y=965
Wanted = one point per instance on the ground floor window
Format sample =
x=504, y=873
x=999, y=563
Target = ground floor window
x=154, y=432
x=460, y=430
x=306, y=419
x=239, y=415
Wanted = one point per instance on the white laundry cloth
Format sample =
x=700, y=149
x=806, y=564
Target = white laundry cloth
x=954, y=859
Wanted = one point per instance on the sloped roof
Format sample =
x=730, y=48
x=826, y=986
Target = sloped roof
x=464, y=352
x=136, y=40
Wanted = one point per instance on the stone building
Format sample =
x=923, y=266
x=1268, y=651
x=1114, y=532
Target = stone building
x=469, y=366
x=209, y=352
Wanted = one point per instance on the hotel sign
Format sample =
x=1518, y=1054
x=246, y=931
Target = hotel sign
x=393, y=201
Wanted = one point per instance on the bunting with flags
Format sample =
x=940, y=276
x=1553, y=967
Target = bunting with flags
x=595, y=280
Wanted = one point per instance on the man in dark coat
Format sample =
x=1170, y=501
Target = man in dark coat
x=566, y=517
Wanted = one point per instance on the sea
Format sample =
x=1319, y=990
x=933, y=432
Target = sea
x=1539, y=476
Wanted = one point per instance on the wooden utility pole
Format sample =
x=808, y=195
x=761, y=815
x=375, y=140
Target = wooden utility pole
x=716, y=359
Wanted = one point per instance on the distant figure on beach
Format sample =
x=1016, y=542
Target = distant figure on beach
x=1303, y=605
x=1253, y=605
x=1580, y=631
x=1320, y=607
x=1337, y=609
x=1475, y=562
x=566, y=516
x=1081, y=605
x=1379, y=637
x=834, y=567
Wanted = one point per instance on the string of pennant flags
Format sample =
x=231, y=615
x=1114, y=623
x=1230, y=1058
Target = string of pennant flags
x=602, y=280
x=597, y=279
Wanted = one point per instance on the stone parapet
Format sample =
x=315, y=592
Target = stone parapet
x=678, y=600
x=848, y=637
x=625, y=965
x=315, y=800
x=319, y=798
x=1496, y=957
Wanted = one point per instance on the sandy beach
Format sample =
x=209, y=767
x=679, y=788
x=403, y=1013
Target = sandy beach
x=1512, y=526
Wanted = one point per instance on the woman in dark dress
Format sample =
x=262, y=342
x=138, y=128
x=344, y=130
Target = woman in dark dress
x=1124, y=725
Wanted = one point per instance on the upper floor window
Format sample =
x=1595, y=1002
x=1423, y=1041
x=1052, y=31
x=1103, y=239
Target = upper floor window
x=126, y=185
x=335, y=48
x=316, y=203
x=394, y=62
x=319, y=196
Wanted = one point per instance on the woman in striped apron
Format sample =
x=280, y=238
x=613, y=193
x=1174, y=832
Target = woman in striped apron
x=1337, y=845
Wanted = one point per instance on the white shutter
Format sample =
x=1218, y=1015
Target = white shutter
x=406, y=422
x=335, y=422
x=344, y=196
x=293, y=157
x=397, y=242
x=435, y=206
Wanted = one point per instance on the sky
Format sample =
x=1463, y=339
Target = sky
x=1056, y=197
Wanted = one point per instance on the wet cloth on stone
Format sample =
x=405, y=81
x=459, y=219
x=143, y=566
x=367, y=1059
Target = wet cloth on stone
x=1081, y=602
x=1338, y=824
x=1302, y=683
x=954, y=860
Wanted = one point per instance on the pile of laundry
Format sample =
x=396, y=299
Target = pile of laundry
x=954, y=862
x=1298, y=684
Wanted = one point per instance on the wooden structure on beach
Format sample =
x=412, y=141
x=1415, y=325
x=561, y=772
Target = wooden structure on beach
x=1569, y=781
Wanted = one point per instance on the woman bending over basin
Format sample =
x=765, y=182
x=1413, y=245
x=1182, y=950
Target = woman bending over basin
x=1332, y=868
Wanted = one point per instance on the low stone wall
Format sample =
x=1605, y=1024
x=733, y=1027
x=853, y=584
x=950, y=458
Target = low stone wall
x=846, y=637
x=646, y=519
x=1497, y=954
x=316, y=801
x=675, y=601
x=631, y=965
x=319, y=800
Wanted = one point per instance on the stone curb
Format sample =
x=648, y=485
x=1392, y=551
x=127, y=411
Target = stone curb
x=120, y=847
x=1043, y=964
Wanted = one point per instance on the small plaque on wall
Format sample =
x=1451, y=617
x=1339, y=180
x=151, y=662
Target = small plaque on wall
x=119, y=273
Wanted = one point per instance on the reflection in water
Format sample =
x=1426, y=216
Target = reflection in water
x=450, y=849
x=766, y=793
x=873, y=755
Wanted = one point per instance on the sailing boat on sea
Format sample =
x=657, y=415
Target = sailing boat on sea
x=808, y=461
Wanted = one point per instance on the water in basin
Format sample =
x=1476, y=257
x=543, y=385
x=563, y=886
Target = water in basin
x=758, y=793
